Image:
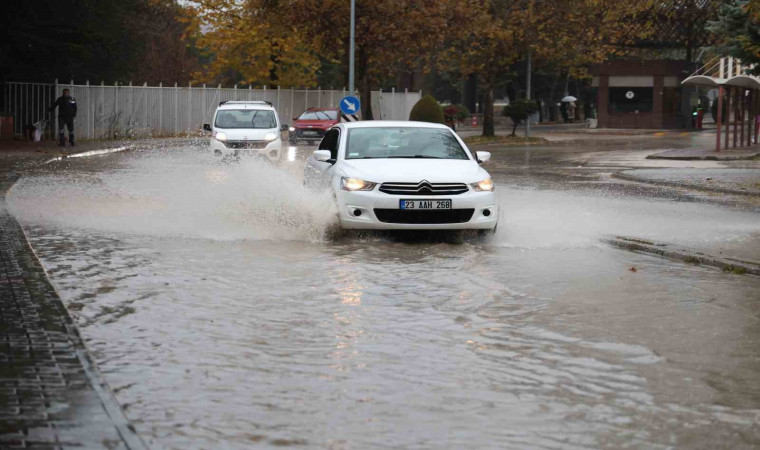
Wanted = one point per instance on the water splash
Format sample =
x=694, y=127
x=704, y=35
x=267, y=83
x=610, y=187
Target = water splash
x=537, y=219
x=181, y=195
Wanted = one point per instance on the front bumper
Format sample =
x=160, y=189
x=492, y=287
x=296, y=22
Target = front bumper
x=271, y=150
x=315, y=134
x=388, y=215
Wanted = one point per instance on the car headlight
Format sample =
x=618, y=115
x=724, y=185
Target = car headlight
x=291, y=129
x=219, y=136
x=355, y=184
x=485, y=185
x=270, y=136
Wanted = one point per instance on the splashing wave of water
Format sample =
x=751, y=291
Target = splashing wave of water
x=178, y=196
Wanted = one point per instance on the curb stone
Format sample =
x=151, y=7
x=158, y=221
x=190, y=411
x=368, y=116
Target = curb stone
x=635, y=179
x=51, y=393
x=725, y=156
x=727, y=264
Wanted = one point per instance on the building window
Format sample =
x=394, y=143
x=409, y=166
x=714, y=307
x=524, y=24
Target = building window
x=630, y=99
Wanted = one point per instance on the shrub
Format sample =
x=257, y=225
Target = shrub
x=450, y=113
x=427, y=109
x=519, y=110
x=463, y=112
x=455, y=112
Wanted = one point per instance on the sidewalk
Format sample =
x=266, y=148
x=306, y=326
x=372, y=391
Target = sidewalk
x=554, y=132
x=51, y=395
x=737, y=174
x=708, y=154
x=723, y=180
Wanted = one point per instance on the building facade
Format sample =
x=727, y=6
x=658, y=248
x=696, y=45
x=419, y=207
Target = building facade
x=644, y=94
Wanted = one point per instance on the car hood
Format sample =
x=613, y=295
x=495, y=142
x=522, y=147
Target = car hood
x=247, y=134
x=321, y=124
x=404, y=170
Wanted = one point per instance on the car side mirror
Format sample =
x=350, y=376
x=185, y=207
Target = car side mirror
x=483, y=157
x=322, y=155
x=206, y=127
x=284, y=127
x=295, y=118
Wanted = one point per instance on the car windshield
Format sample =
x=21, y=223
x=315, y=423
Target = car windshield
x=319, y=115
x=403, y=142
x=245, y=118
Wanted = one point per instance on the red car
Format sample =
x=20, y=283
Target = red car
x=312, y=124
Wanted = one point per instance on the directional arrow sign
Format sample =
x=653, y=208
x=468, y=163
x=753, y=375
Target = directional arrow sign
x=349, y=105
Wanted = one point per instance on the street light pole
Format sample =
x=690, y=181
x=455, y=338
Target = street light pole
x=528, y=68
x=351, y=51
x=527, y=95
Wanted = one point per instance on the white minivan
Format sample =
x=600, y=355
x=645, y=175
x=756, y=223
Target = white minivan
x=246, y=128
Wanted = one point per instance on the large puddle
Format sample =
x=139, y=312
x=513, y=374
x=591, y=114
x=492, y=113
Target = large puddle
x=224, y=315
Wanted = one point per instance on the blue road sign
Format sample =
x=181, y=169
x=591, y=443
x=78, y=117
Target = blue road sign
x=350, y=105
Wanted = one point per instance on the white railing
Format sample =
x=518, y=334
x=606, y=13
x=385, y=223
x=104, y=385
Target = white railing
x=723, y=68
x=119, y=111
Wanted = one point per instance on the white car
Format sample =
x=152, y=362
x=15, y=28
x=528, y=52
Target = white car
x=394, y=175
x=246, y=127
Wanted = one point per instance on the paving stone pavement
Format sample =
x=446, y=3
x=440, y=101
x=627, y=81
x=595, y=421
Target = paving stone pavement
x=51, y=395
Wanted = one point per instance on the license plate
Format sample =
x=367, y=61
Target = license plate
x=424, y=204
x=309, y=132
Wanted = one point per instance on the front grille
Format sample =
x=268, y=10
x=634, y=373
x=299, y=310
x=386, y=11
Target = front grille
x=315, y=133
x=423, y=188
x=246, y=144
x=424, y=217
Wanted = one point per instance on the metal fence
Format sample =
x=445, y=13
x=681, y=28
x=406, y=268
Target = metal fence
x=111, y=112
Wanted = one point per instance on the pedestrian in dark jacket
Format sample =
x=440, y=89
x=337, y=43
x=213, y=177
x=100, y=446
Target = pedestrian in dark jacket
x=67, y=112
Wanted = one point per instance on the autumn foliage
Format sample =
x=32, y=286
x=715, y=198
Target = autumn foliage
x=287, y=42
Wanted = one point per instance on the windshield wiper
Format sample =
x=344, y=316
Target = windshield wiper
x=416, y=156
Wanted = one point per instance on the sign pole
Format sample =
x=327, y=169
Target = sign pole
x=720, y=118
x=528, y=70
x=527, y=93
x=351, y=50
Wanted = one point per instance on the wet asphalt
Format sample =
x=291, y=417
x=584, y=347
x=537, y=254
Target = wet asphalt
x=225, y=312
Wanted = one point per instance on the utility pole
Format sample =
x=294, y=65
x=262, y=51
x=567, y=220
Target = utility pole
x=528, y=65
x=527, y=94
x=351, y=51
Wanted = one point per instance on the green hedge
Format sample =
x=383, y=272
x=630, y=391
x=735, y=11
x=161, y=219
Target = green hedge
x=427, y=109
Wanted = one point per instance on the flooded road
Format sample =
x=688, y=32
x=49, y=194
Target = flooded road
x=225, y=314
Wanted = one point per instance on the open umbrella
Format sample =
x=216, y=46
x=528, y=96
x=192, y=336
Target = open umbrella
x=569, y=98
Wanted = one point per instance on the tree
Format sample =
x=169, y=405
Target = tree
x=482, y=42
x=250, y=42
x=738, y=28
x=564, y=36
x=42, y=40
x=163, y=31
x=113, y=40
x=519, y=110
x=392, y=36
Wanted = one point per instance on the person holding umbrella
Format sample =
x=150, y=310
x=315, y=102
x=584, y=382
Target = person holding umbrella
x=67, y=112
x=568, y=108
